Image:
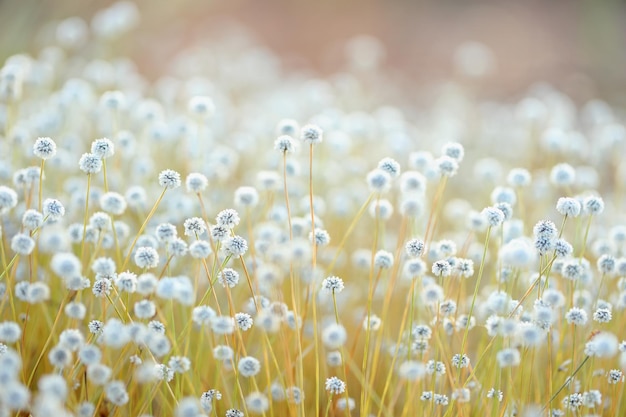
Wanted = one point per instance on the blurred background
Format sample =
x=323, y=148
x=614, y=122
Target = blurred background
x=577, y=46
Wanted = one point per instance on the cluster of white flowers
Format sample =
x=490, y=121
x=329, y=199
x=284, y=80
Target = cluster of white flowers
x=115, y=280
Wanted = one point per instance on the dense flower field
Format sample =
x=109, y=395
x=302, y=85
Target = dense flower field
x=236, y=239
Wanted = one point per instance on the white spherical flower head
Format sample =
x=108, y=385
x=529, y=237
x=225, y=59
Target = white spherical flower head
x=593, y=205
x=441, y=268
x=412, y=370
x=335, y=385
x=201, y=106
x=446, y=166
x=228, y=277
x=246, y=196
x=378, y=181
x=454, y=150
x=248, y=366
x=102, y=148
x=288, y=127
x=508, y=357
x=494, y=216
x=311, y=134
x=228, y=218
x=32, y=219
x=334, y=336
x=8, y=199
x=166, y=232
x=169, y=179
x=519, y=177
x=602, y=345
x=53, y=209
x=322, y=238
x=113, y=203
x=332, y=284
x=200, y=249
x=568, y=206
x=113, y=100
x=235, y=246
x=90, y=163
x=562, y=175
x=194, y=226
x=284, y=144
x=414, y=248
x=383, y=259
x=44, y=148
x=146, y=257
x=22, y=244
x=196, y=182
x=390, y=166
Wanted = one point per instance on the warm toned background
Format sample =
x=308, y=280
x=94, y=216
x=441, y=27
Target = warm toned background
x=579, y=46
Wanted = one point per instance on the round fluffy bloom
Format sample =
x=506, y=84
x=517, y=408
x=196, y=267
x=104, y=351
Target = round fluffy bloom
x=460, y=361
x=442, y=268
x=246, y=196
x=10, y=332
x=412, y=370
x=284, y=144
x=593, y=205
x=322, y=238
x=248, y=366
x=8, y=199
x=235, y=246
x=32, y=219
x=494, y=216
x=228, y=277
x=200, y=249
x=169, y=179
x=568, y=206
x=383, y=259
x=602, y=315
x=44, y=148
x=602, y=345
x=102, y=148
x=232, y=412
x=334, y=336
x=113, y=203
x=562, y=248
x=446, y=166
x=606, y=264
x=146, y=257
x=166, y=232
x=22, y=244
x=311, y=134
x=194, y=226
x=196, y=182
x=414, y=248
x=201, y=106
x=576, y=316
x=243, y=321
x=53, y=209
x=508, y=357
x=144, y=309
x=222, y=324
x=390, y=166
x=518, y=177
x=335, y=385
x=60, y=357
x=454, y=150
x=115, y=392
x=228, y=218
x=562, y=175
x=332, y=284
x=90, y=163
x=378, y=180
x=257, y=402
